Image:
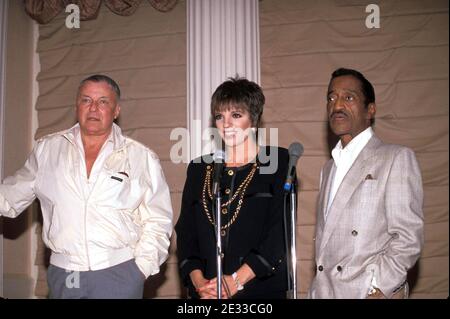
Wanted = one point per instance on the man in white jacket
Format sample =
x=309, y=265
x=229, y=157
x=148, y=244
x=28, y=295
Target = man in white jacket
x=105, y=202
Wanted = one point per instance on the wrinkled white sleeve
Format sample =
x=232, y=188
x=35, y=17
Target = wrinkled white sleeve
x=156, y=216
x=17, y=191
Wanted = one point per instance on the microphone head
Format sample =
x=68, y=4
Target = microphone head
x=295, y=150
x=219, y=162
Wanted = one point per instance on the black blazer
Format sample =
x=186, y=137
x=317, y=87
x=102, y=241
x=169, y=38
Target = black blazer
x=256, y=236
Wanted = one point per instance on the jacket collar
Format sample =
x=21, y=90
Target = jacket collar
x=119, y=141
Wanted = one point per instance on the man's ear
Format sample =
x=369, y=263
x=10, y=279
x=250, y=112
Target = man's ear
x=117, y=111
x=371, y=111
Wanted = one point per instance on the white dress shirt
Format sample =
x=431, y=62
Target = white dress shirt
x=344, y=159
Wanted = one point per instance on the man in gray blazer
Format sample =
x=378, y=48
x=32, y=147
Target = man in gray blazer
x=369, y=228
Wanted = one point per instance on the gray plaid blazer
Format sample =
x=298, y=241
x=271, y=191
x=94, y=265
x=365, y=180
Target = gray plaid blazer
x=374, y=226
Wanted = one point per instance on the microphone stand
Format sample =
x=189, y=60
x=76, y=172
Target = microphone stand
x=291, y=242
x=217, y=204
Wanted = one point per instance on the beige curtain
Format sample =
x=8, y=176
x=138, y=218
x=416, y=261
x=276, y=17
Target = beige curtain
x=406, y=59
x=146, y=55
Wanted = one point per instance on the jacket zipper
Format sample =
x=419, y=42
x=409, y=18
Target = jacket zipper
x=85, y=234
x=86, y=204
x=85, y=209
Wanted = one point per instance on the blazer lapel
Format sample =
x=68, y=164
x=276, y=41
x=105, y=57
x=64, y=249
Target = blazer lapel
x=351, y=181
x=324, y=195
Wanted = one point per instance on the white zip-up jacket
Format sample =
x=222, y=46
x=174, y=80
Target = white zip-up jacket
x=128, y=213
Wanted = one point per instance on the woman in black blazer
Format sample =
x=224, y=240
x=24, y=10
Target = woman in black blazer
x=253, y=252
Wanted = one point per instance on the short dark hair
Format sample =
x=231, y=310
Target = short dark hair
x=366, y=86
x=242, y=94
x=102, y=78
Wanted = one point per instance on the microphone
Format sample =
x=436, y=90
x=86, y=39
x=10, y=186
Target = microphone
x=295, y=151
x=219, y=162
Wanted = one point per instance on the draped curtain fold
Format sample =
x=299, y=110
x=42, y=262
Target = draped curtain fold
x=44, y=11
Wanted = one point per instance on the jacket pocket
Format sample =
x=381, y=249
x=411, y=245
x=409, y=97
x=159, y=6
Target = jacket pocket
x=365, y=196
x=117, y=192
x=368, y=190
x=114, y=203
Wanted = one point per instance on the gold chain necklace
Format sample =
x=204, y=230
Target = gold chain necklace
x=239, y=192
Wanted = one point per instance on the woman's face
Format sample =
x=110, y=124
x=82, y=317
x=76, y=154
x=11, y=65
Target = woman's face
x=234, y=125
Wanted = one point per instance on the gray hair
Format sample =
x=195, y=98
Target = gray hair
x=102, y=78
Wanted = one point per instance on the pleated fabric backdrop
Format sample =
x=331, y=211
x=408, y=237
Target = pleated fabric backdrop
x=302, y=42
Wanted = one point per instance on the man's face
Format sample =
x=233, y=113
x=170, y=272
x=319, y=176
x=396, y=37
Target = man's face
x=347, y=114
x=96, y=108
